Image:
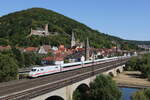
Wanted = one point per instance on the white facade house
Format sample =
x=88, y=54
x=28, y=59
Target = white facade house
x=42, y=50
x=58, y=62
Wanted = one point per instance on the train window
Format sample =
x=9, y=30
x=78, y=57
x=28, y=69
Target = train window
x=42, y=69
x=33, y=70
x=70, y=65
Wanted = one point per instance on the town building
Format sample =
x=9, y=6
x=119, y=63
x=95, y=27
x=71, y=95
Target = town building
x=76, y=43
x=3, y=48
x=45, y=49
x=52, y=60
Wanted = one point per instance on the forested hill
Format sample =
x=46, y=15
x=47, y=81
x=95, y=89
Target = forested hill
x=15, y=28
x=139, y=42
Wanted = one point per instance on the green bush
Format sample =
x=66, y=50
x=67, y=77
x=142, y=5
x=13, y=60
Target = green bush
x=8, y=68
x=141, y=95
x=141, y=64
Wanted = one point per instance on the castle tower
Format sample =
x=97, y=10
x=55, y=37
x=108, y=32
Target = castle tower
x=46, y=29
x=87, y=50
x=73, y=42
x=31, y=32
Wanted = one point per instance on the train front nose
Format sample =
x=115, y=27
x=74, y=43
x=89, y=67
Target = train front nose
x=31, y=74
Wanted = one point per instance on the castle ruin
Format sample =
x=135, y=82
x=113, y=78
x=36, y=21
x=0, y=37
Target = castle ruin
x=40, y=32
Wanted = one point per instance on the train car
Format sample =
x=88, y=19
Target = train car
x=71, y=66
x=45, y=70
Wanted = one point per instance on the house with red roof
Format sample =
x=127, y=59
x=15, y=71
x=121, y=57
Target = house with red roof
x=52, y=60
x=3, y=48
x=30, y=49
x=62, y=48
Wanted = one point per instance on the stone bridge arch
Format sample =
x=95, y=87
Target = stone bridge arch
x=111, y=74
x=55, y=97
x=83, y=89
x=83, y=86
x=118, y=71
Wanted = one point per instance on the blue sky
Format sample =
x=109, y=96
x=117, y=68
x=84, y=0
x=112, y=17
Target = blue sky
x=128, y=19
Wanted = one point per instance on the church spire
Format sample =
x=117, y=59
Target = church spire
x=46, y=29
x=73, y=42
x=87, y=49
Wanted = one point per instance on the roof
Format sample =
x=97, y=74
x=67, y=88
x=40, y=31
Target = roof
x=30, y=49
x=5, y=48
x=53, y=59
x=47, y=48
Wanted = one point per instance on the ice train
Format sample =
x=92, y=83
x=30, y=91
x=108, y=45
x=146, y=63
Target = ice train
x=50, y=69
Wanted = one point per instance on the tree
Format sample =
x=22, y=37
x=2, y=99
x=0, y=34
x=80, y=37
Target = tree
x=8, y=68
x=145, y=70
x=81, y=93
x=18, y=56
x=77, y=95
x=31, y=59
x=141, y=95
x=132, y=64
x=104, y=88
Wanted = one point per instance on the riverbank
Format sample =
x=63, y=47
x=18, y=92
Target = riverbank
x=131, y=79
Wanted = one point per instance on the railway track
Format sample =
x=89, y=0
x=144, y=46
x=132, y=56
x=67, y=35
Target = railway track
x=40, y=85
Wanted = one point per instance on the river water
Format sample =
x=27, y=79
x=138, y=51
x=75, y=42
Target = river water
x=127, y=92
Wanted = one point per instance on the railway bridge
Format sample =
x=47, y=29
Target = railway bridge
x=58, y=86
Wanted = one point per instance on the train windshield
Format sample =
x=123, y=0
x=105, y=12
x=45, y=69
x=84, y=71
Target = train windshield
x=33, y=70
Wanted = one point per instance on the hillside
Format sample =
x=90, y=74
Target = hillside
x=15, y=28
x=139, y=42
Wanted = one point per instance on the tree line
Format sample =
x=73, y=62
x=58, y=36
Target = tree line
x=140, y=63
x=143, y=94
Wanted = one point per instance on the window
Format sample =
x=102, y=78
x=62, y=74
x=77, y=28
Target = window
x=33, y=70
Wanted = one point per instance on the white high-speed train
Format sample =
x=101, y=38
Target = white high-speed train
x=50, y=69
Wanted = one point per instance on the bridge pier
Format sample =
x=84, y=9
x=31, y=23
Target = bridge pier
x=113, y=72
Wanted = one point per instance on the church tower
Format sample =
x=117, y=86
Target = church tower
x=73, y=42
x=87, y=50
x=46, y=29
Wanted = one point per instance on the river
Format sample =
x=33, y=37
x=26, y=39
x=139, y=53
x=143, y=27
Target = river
x=127, y=92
